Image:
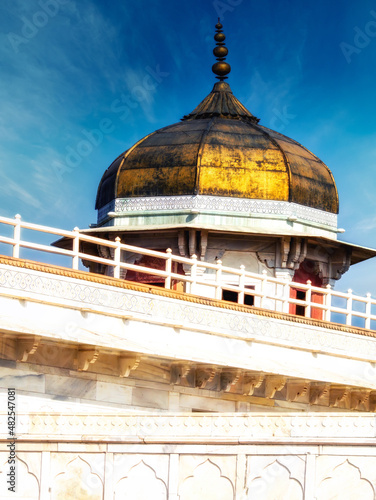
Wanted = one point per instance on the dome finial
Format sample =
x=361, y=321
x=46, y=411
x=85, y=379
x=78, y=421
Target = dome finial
x=220, y=68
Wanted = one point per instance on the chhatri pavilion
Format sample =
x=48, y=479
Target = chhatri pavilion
x=195, y=345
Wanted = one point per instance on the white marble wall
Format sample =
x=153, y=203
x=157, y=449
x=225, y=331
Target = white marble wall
x=93, y=456
x=185, y=472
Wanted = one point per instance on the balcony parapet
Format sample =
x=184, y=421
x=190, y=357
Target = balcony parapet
x=205, y=279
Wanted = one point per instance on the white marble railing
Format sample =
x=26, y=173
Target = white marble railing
x=265, y=291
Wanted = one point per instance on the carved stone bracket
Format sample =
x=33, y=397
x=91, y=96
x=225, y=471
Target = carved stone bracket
x=360, y=399
x=179, y=373
x=298, y=391
x=192, y=245
x=182, y=245
x=252, y=382
x=285, y=250
x=7, y=347
x=319, y=394
x=204, y=376
x=273, y=384
x=85, y=357
x=229, y=379
x=340, y=397
x=340, y=262
x=127, y=364
x=267, y=258
x=323, y=272
x=297, y=253
x=104, y=252
x=26, y=346
x=372, y=401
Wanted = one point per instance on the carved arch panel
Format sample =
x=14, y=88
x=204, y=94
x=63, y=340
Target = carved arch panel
x=141, y=483
x=206, y=482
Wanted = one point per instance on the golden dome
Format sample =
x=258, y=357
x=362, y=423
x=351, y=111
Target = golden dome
x=220, y=149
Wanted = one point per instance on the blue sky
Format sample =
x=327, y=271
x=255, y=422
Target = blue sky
x=116, y=71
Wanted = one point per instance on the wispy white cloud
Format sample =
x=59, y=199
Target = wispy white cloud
x=10, y=188
x=65, y=78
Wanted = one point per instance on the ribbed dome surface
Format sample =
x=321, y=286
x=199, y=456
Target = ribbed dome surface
x=221, y=102
x=220, y=149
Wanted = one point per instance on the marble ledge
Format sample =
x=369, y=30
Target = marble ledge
x=277, y=447
x=52, y=442
x=328, y=428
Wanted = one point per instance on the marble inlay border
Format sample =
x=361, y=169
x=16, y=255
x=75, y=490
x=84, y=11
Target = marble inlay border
x=238, y=323
x=195, y=428
x=220, y=204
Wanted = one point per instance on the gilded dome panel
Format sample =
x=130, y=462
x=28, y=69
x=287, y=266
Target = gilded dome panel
x=155, y=157
x=160, y=169
x=234, y=182
x=106, y=186
x=241, y=141
x=236, y=127
x=243, y=172
x=318, y=195
x=164, y=181
x=311, y=182
x=172, y=138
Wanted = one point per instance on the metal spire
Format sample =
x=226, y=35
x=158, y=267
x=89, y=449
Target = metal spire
x=220, y=68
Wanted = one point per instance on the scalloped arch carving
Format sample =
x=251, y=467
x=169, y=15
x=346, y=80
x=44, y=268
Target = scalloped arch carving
x=27, y=483
x=345, y=483
x=78, y=481
x=275, y=483
x=141, y=483
x=207, y=483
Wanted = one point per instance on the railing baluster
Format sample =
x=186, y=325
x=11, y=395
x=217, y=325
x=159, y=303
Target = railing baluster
x=308, y=300
x=193, y=274
x=117, y=260
x=241, y=285
x=349, y=307
x=367, y=323
x=286, y=296
x=168, y=268
x=263, y=287
x=218, y=280
x=328, y=303
x=17, y=236
x=76, y=248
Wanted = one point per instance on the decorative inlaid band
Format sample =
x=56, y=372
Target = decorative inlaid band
x=220, y=204
x=223, y=428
